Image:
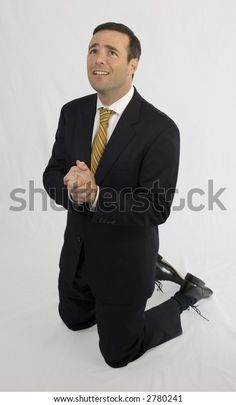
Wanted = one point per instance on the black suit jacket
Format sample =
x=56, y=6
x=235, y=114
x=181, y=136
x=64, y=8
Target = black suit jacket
x=137, y=176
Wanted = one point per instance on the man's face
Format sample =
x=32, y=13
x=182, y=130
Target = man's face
x=109, y=71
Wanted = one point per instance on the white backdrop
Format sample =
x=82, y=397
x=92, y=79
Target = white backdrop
x=187, y=70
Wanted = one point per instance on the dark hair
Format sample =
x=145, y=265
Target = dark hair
x=134, y=50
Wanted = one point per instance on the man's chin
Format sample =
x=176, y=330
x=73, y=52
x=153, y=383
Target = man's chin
x=99, y=89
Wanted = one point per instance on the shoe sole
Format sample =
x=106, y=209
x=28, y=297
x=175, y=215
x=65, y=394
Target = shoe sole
x=193, y=279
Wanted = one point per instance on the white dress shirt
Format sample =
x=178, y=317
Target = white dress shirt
x=118, y=107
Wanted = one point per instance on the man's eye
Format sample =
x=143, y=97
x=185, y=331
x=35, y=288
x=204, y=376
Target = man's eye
x=112, y=53
x=92, y=51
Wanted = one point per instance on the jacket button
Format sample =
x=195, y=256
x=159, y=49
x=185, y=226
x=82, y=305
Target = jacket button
x=78, y=238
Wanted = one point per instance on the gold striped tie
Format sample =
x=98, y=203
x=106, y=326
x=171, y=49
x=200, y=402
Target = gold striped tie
x=100, y=140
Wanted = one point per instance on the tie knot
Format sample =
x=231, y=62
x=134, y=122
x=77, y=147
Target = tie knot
x=105, y=114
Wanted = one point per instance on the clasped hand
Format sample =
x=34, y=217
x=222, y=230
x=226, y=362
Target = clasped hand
x=80, y=183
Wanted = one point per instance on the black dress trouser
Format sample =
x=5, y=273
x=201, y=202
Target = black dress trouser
x=126, y=332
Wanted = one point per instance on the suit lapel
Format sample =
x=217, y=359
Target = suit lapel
x=123, y=133
x=84, y=129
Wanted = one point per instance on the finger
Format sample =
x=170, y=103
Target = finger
x=73, y=170
x=70, y=186
x=75, y=181
x=79, y=195
x=81, y=165
x=66, y=178
x=70, y=180
x=85, y=188
x=83, y=192
x=82, y=198
x=80, y=181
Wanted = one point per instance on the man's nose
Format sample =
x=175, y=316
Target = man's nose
x=101, y=57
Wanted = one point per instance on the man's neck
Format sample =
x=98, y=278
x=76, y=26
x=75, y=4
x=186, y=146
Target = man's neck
x=109, y=99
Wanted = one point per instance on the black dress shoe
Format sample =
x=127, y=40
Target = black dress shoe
x=195, y=280
x=195, y=290
x=164, y=271
x=192, y=291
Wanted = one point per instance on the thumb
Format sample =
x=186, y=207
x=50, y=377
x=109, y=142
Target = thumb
x=81, y=165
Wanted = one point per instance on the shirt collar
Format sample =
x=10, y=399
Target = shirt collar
x=120, y=104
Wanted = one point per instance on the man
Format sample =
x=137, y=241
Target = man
x=114, y=166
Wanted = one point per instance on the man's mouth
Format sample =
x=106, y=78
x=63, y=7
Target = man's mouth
x=100, y=73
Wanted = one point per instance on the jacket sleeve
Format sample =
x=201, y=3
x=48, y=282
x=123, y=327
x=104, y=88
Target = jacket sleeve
x=56, y=168
x=150, y=203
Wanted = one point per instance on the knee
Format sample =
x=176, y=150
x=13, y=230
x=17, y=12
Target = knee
x=66, y=319
x=73, y=323
x=114, y=358
x=114, y=363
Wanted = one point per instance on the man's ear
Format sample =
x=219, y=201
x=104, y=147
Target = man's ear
x=133, y=65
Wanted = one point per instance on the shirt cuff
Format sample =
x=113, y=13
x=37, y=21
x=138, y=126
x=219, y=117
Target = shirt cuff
x=71, y=199
x=93, y=205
